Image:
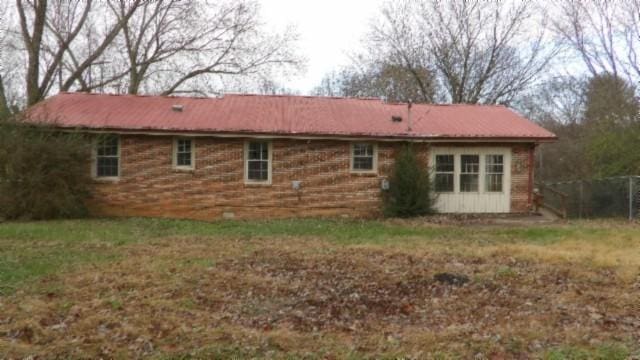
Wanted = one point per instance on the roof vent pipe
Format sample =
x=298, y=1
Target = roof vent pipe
x=177, y=108
x=409, y=104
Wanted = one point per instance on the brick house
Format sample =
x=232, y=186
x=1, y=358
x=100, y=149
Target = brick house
x=256, y=156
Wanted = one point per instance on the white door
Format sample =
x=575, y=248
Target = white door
x=472, y=179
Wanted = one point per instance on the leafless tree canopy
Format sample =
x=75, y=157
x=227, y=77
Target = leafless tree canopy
x=391, y=81
x=604, y=34
x=483, y=51
x=159, y=47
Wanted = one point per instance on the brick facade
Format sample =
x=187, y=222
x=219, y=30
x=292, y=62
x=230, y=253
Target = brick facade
x=150, y=186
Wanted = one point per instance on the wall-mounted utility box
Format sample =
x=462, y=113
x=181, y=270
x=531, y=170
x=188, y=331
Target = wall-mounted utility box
x=384, y=184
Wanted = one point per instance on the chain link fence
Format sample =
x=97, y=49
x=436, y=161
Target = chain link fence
x=598, y=198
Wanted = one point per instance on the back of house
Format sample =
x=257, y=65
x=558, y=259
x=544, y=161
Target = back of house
x=260, y=156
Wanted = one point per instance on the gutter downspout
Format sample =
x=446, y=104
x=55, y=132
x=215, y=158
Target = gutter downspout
x=530, y=185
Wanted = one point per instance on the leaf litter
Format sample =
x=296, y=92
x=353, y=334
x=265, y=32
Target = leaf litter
x=177, y=295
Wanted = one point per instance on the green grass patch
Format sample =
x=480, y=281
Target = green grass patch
x=31, y=250
x=602, y=352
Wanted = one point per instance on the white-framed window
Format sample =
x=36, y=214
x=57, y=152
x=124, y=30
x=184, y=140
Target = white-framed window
x=444, y=174
x=481, y=178
x=258, y=155
x=184, y=154
x=364, y=157
x=107, y=157
x=494, y=173
x=470, y=170
x=469, y=173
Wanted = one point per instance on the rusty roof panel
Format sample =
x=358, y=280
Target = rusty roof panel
x=284, y=115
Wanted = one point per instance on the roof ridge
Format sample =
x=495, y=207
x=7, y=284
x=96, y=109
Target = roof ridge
x=306, y=96
x=396, y=103
x=458, y=104
x=137, y=95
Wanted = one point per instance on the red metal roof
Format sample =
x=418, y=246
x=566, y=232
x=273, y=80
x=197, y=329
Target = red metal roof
x=285, y=115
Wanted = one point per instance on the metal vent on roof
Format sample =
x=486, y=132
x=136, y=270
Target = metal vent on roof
x=396, y=118
x=177, y=108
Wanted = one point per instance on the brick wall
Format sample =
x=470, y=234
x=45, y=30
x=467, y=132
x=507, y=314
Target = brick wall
x=149, y=186
x=520, y=167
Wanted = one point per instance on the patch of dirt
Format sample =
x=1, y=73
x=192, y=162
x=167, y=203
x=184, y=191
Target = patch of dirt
x=179, y=295
x=481, y=220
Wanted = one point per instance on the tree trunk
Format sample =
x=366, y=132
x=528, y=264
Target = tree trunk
x=5, y=111
x=33, y=43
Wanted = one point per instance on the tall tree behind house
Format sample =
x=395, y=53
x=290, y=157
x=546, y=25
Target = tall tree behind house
x=158, y=47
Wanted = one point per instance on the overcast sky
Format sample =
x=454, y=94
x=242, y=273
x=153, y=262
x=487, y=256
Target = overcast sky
x=328, y=30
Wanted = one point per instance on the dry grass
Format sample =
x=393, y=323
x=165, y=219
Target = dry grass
x=553, y=292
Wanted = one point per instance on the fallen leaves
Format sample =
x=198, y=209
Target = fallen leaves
x=364, y=299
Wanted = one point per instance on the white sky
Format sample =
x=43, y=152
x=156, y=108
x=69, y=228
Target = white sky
x=329, y=30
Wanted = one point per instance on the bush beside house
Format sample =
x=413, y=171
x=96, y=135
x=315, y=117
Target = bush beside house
x=410, y=193
x=43, y=172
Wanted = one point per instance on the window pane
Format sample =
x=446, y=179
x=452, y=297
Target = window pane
x=107, y=166
x=493, y=182
x=362, y=150
x=470, y=164
x=107, y=157
x=107, y=146
x=494, y=173
x=363, y=156
x=444, y=183
x=363, y=163
x=183, y=159
x=258, y=170
x=184, y=145
x=183, y=152
x=258, y=161
x=468, y=182
x=258, y=150
x=494, y=164
x=469, y=168
x=444, y=163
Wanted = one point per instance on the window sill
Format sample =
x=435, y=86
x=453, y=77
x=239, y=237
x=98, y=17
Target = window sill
x=364, y=172
x=183, y=169
x=106, y=179
x=257, y=183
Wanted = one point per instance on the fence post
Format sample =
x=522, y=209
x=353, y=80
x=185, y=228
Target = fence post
x=631, y=198
x=581, y=192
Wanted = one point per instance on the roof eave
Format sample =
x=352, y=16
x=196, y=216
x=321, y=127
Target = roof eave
x=245, y=133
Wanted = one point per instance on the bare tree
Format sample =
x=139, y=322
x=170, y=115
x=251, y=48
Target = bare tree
x=589, y=28
x=483, y=51
x=393, y=82
x=175, y=46
x=235, y=43
x=163, y=46
x=48, y=29
x=159, y=31
x=398, y=36
x=4, y=102
x=604, y=34
x=558, y=104
x=11, y=78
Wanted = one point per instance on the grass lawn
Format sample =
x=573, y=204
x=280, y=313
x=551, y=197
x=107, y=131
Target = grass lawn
x=318, y=289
